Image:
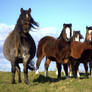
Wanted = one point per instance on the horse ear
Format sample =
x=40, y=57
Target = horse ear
x=21, y=10
x=71, y=25
x=29, y=10
x=64, y=25
x=86, y=28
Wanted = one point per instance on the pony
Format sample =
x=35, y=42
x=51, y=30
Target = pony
x=55, y=49
x=19, y=46
x=77, y=36
x=81, y=52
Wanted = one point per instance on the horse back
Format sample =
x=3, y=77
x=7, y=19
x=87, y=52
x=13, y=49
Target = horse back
x=45, y=45
x=77, y=49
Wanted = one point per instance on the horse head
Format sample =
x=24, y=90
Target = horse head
x=88, y=34
x=26, y=21
x=77, y=36
x=67, y=32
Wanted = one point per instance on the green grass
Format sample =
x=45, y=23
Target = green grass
x=38, y=83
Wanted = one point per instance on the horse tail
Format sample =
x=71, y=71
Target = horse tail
x=39, y=49
x=41, y=45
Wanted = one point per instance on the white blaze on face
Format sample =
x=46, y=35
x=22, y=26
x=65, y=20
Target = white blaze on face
x=77, y=38
x=26, y=15
x=89, y=32
x=68, y=32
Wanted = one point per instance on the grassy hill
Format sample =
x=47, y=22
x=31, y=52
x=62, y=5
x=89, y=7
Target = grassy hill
x=38, y=83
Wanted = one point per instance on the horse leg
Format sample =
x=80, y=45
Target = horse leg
x=46, y=66
x=26, y=60
x=59, y=70
x=77, y=74
x=56, y=70
x=13, y=70
x=26, y=72
x=66, y=70
x=70, y=70
x=86, y=68
x=90, y=64
x=19, y=72
x=74, y=69
x=38, y=64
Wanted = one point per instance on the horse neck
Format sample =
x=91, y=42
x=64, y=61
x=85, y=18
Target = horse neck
x=62, y=40
x=18, y=26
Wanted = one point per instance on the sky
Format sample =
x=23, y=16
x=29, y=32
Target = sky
x=50, y=14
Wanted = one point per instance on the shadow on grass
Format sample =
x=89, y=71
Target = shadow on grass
x=43, y=79
x=84, y=76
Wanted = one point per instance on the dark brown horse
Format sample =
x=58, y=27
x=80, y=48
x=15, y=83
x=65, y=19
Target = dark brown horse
x=55, y=49
x=19, y=46
x=81, y=52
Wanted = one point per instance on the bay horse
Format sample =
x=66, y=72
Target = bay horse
x=19, y=46
x=81, y=52
x=55, y=49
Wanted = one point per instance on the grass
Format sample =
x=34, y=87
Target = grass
x=38, y=83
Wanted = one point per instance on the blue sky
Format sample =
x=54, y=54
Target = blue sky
x=49, y=13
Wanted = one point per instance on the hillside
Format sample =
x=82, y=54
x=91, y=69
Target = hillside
x=38, y=83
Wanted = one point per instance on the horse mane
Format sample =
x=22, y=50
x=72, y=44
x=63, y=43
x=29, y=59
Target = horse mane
x=33, y=23
x=61, y=34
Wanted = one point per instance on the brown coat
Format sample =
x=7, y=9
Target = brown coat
x=77, y=48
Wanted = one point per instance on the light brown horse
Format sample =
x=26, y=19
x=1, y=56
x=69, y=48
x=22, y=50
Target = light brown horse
x=76, y=37
x=19, y=46
x=55, y=49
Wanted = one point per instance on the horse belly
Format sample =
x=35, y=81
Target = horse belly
x=9, y=49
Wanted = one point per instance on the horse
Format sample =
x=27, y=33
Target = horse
x=77, y=36
x=19, y=46
x=55, y=49
x=81, y=52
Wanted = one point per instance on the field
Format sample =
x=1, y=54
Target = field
x=38, y=83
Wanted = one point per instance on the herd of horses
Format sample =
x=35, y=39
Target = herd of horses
x=19, y=47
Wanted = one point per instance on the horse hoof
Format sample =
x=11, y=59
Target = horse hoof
x=27, y=82
x=56, y=73
x=59, y=78
x=13, y=82
x=67, y=76
x=19, y=81
x=37, y=72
